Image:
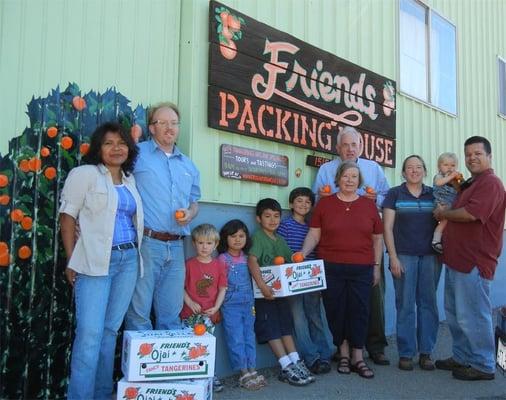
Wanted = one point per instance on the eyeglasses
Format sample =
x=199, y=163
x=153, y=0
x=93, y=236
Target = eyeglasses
x=163, y=123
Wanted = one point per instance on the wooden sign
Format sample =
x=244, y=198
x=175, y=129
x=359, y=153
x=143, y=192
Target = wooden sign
x=314, y=161
x=267, y=84
x=253, y=165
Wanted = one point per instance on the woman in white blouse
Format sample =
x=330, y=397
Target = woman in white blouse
x=103, y=262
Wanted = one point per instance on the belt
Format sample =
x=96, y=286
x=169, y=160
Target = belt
x=163, y=236
x=125, y=246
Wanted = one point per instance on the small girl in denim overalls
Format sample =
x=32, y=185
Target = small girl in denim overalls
x=238, y=307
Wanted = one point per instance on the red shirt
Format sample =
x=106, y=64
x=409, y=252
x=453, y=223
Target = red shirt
x=346, y=235
x=477, y=243
x=202, y=282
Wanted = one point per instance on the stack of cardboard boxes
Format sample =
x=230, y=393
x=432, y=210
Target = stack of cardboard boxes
x=167, y=365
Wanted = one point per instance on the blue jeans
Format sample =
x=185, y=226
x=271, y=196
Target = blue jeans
x=101, y=304
x=238, y=324
x=469, y=316
x=310, y=330
x=416, y=304
x=161, y=287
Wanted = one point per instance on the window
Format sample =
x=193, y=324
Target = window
x=427, y=53
x=501, y=64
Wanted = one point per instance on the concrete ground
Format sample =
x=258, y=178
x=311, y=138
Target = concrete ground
x=389, y=383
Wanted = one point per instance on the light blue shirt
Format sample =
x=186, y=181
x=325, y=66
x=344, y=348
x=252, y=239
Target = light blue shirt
x=371, y=172
x=165, y=183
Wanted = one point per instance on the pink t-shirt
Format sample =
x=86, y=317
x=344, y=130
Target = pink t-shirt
x=202, y=283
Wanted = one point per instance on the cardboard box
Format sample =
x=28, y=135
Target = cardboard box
x=292, y=279
x=191, y=389
x=163, y=355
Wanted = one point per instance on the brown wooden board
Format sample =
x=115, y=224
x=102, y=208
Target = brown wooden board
x=253, y=117
x=263, y=62
x=246, y=164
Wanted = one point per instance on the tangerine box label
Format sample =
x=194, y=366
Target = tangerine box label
x=191, y=389
x=162, y=355
x=292, y=279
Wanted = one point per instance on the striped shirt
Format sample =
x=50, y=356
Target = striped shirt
x=124, y=229
x=294, y=234
x=414, y=224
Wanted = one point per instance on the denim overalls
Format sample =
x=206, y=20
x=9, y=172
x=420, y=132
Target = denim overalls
x=238, y=314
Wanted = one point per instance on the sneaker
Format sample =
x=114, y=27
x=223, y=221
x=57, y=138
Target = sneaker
x=472, y=374
x=426, y=363
x=291, y=375
x=304, y=372
x=448, y=364
x=217, y=385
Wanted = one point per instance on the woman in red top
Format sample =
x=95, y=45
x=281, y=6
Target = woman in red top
x=348, y=232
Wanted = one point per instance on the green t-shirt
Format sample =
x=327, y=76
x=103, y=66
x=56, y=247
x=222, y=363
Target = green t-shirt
x=265, y=249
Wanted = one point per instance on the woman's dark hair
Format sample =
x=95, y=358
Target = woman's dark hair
x=231, y=228
x=94, y=155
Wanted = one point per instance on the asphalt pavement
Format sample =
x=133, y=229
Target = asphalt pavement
x=389, y=382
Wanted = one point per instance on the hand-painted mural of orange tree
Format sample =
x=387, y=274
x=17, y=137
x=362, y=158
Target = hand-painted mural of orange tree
x=36, y=313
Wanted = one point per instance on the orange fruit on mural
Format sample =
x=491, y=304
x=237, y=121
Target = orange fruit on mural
x=179, y=214
x=44, y=152
x=26, y=223
x=278, y=260
x=4, y=199
x=199, y=329
x=4, y=259
x=229, y=51
x=298, y=257
x=79, y=103
x=4, y=181
x=50, y=173
x=24, y=252
x=3, y=247
x=24, y=165
x=84, y=148
x=66, y=142
x=326, y=189
x=52, y=131
x=369, y=190
x=34, y=164
x=233, y=23
x=17, y=215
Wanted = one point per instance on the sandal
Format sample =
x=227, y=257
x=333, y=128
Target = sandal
x=247, y=381
x=437, y=247
x=343, y=365
x=362, y=369
x=259, y=378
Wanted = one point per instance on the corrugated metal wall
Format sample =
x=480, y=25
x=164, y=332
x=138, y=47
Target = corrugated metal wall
x=130, y=44
x=142, y=48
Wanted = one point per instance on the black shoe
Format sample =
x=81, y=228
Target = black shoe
x=320, y=367
x=472, y=374
x=379, y=359
x=448, y=364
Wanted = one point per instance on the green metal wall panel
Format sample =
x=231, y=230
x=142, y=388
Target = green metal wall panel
x=130, y=44
x=158, y=49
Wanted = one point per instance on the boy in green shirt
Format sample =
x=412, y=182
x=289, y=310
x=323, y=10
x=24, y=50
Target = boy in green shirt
x=273, y=322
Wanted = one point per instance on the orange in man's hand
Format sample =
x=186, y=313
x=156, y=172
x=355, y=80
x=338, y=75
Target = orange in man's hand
x=326, y=189
x=369, y=190
x=278, y=260
x=298, y=257
x=199, y=329
x=179, y=214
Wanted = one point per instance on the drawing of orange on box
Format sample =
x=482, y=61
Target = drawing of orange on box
x=195, y=389
x=293, y=278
